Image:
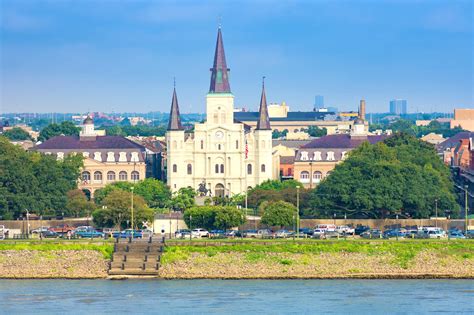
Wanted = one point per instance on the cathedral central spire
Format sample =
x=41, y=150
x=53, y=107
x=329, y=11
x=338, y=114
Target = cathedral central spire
x=219, y=70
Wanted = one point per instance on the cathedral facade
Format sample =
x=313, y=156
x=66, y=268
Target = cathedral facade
x=223, y=155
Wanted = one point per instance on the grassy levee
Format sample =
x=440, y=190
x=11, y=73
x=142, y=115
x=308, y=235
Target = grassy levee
x=106, y=248
x=314, y=258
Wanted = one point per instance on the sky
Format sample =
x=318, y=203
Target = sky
x=122, y=55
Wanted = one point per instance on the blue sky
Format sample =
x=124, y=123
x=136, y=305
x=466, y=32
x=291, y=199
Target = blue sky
x=119, y=55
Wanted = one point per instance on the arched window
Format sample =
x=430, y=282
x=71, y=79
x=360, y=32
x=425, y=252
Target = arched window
x=249, y=169
x=263, y=144
x=110, y=176
x=237, y=144
x=218, y=147
x=135, y=175
x=190, y=169
x=216, y=118
x=97, y=176
x=217, y=168
x=317, y=176
x=123, y=175
x=175, y=168
x=86, y=176
x=304, y=176
x=202, y=144
x=262, y=168
x=222, y=118
x=222, y=168
x=175, y=144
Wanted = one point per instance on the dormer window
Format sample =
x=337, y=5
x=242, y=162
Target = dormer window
x=98, y=156
x=343, y=155
x=304, y=156
x=330, y=156
x=317, y=156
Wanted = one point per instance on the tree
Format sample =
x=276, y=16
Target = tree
x=315, y=131
x=278, y=213
x=33, y=181
x=155, y=192
x=183, y=199
x=116, y=210
x=402, y=175
x=17, y=134
x=227, y=217
x=66, y=128
x=78, y=204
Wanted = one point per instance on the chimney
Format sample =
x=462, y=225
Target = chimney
x=362, y=110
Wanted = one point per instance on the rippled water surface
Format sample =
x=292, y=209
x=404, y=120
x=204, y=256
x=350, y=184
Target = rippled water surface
x=237, y=296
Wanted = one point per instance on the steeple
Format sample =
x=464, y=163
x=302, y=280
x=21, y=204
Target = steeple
x=219, y=70
x=263, y=122
x=175, y=120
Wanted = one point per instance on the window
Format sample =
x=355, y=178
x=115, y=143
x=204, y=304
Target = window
x=262, y=168
x=249, y=169
x=175, y=168
x=190, y=169
x=123, y=175
x=222, y=168
x=110, y=176
x=304, y=156
x=86, y=176
x=263, y=144
x=216, y=118
x=330, y=156
x=60, y=155
x=202, y=144
x=343, y=155
x=317, y=156
x=98, y=156
x=304, y=175
x=237, y=144
x=317, y=176
x=217, y=168
x=110, y=157
x=175, y=144
x=218, y=147
x=223, y=118
x=97, y=176
x=135, y=175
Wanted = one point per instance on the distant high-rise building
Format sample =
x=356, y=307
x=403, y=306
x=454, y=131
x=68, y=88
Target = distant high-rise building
x=398, y=107
x=319, y=102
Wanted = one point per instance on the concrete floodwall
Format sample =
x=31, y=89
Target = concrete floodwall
x=22, y=225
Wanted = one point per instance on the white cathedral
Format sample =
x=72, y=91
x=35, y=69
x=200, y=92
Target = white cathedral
x=223, y=155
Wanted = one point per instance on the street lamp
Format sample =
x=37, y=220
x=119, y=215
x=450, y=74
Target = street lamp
x=334, y=218
x=465, y=207
x=436, y=212
x=298, y=211
x=132, y=188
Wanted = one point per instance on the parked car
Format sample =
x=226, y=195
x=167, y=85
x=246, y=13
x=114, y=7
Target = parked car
x=470, y=234
x=372, y=233
x=62, y=229
x=456, y=234
x=265, y=233
x=128, y=233
x=306, y=232
x=40, y=230
x=182, y=233
x=361, y=229
x=87, y=233
x=393, y=233
x=250, y=233
x=344, y=229
x=326, y=227
x=200, y=232
x=284, y=234
x=108, y=232
x=217, y=234
x=318, y=233
x=49, y=234
x=436, y=234
x=3, y=232
x=233, y=233
x=331, y=234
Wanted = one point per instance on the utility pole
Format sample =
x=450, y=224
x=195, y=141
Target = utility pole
x=298, y=211
x=132, y=188
x=436, y=212
x=465, y=207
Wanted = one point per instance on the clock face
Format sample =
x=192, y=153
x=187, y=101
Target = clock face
x=219, y=135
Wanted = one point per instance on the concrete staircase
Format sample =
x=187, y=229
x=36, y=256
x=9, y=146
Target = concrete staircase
x=136, y=257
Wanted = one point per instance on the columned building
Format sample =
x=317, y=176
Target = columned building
x=107, y=159
x=223, y=155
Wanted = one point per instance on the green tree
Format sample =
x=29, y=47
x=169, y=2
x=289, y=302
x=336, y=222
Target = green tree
x=66, y=128
x=315, y=131
x=116, y=210
x=155, y=192
x=402, y=175
x=278, y=213
x=183, y=199
x=200, y=217
x=78, y=204
x=228, y=217
x=17, y=134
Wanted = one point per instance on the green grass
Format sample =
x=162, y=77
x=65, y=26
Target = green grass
x=402, y=251
x=106, y=249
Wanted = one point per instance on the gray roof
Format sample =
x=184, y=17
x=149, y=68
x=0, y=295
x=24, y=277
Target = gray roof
x=343, y=141
x=100, y=142
x=454, y=140
x=295, y=144
x=291, y=116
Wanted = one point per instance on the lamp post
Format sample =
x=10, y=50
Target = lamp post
x=334, y=218
x=465, y=207
x=132, y=188
x=298, y=211
x=436, y=212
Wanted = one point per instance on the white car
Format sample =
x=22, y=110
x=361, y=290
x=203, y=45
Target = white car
x=436, y=234
x=318, y=233
x=344, y=229
x=200, y=233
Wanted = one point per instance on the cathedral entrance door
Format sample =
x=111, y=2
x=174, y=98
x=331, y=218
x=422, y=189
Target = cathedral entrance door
x=219, y=191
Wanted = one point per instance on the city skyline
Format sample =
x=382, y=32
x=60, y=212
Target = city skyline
x=66, y=58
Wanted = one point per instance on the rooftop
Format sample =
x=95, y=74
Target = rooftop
x=342, y=141
x=100, y=142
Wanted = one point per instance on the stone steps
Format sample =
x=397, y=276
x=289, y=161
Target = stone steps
x=132, y=272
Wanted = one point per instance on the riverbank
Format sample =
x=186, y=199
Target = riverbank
x=322, y=260
x=52, y=260
x=312, y=259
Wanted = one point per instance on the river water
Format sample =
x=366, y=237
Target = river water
x=237, y=296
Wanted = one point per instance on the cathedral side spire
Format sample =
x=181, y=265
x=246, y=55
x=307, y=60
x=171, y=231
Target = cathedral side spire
x=263, y=122
x=219, y=70
x=175, y=119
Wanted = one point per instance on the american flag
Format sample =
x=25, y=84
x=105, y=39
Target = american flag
x=246, y=149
